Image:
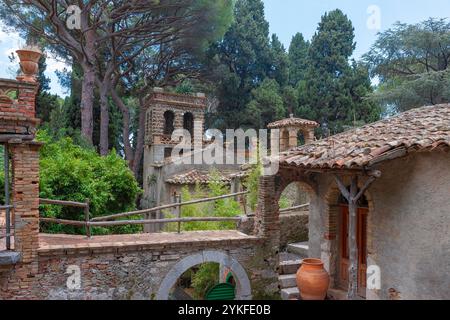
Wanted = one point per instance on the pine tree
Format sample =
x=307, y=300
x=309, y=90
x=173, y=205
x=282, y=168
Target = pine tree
x=267, y=104
x=333, y=91
x=280, y=62
x=241, y=61
x=298, y=59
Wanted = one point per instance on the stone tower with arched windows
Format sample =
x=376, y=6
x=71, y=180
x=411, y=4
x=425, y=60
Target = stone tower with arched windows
x=165, y=113
x=291, y=129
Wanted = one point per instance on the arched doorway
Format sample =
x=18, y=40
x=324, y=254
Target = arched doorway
x=293, y=205
x=295, y=194
x=243, y=287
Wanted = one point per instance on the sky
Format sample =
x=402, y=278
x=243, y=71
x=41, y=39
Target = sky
x=286, y=18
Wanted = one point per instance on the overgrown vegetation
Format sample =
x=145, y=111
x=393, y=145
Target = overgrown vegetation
x=219, y=208
x=206, y=277
x=74, y=173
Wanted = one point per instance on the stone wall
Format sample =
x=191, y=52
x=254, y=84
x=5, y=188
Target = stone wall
x=124, y=271
x=408, y=227
x=293, y=227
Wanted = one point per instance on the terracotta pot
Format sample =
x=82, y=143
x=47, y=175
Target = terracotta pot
x=29, y=63
x=313, y=280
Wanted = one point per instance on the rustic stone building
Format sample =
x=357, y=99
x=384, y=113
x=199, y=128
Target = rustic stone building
x=397, y=218
x=163, y=176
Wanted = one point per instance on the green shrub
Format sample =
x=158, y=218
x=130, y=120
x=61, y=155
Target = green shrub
x=219, y=208
x=74, y=173
x=206, y=277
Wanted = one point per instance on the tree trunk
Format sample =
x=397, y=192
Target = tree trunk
x=87, y=103
x=125, y=127
x=104, y=120
x=140, y=138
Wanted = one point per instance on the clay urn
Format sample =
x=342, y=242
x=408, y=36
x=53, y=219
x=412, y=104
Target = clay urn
x=313, y=280
x=29, y=63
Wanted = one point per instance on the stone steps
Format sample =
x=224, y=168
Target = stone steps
x=290, y=293
x=289, y=267
x=287, y=281
x=302, y=249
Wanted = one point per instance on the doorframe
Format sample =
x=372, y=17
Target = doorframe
x=341, y=282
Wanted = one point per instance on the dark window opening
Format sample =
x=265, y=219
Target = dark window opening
x=167, y=153
x=188, y=123
x=169, y=117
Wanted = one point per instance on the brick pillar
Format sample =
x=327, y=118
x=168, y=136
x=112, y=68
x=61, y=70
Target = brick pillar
x=25, y=197
x=267, y=227
x=293, y=138
x=267, y=217
x=308, y=134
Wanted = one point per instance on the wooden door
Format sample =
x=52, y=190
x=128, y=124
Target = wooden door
x=361, y=239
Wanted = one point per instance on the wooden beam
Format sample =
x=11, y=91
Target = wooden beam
x=64, y=203
x=364, y=188
x=64, y=222
x=168, y=206
x=303, y=206
x=352, y=242
x=157, y=221
x=352, y=197
x=390, y=155
x=342, y=188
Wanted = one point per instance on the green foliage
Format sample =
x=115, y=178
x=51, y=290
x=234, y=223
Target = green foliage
x=284, y=202
x=252, y=186
x=280, y=62
x=219, y=208
x=334, y=91
x=298, y=59
x=74, y=173
x=267, y=104
x=206, y=277
x=240, y=62
x=411, y=61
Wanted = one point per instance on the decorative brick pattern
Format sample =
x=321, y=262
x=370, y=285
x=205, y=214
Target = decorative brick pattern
x=160, y=102
x=17, y=115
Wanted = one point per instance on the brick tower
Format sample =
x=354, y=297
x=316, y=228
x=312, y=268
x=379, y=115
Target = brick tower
x=165, y=113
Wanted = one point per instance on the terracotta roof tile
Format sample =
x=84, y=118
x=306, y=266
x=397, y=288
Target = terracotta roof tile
x=292, y=122
x=422, y=129
x=196, y=176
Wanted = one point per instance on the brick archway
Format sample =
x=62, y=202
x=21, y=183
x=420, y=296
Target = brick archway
x=243, y=287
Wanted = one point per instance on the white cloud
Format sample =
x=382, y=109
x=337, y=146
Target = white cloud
x=9, y=37
x=54, y=64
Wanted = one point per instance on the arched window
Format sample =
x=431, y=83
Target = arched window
x=188, y=123
x=169, y=117
x=284, y=143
